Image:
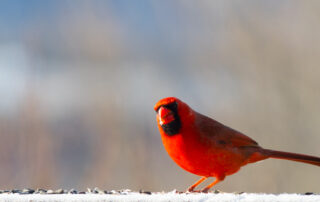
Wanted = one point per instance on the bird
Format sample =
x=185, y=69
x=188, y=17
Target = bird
x=208, y=148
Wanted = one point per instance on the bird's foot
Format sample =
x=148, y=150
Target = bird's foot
x=193, y=191
x=205, y=190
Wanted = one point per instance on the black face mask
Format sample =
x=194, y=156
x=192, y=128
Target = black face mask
x=174, y=126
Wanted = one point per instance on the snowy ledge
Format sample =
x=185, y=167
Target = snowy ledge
x=171, y=196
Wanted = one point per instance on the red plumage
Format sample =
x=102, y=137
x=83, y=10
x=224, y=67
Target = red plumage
x=208, y=148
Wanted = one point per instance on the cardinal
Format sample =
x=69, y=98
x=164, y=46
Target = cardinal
x=207, y=148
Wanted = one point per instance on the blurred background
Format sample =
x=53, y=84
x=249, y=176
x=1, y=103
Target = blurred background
x=79, y=79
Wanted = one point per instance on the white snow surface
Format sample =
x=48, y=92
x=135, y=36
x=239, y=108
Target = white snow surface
x=171, y=196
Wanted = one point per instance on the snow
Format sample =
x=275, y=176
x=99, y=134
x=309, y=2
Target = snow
x=171, y=196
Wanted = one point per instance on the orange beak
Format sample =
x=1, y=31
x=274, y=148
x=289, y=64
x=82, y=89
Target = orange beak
x=165, y=115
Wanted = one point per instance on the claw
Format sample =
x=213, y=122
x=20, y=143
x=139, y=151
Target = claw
x=205, y=190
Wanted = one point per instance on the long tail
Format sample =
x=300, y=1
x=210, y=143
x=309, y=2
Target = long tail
x=292, y=156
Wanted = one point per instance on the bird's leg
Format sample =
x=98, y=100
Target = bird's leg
x=205, y=190
x=191, y=189
x=218, y=179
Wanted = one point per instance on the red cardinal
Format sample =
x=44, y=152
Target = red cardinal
x=208, y=148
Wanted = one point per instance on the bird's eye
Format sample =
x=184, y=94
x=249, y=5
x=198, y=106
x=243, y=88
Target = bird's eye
x=173, y=106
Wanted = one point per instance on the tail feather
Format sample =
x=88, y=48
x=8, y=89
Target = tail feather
x=293, y=157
